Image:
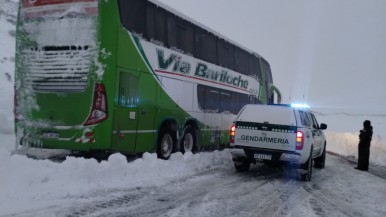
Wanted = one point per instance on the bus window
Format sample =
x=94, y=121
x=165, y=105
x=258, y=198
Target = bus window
x=150, y=21
x=242, y=100
x=254, y=67
x=185, y=36
x=208, y=98
x=226, y=104
x=226, y=54
x=206, y=46
x=133, y=15
x=172, y=30
x=128, y=94
x=241, y=61
x=268, y=80
x=160, y=25
x=267, y=71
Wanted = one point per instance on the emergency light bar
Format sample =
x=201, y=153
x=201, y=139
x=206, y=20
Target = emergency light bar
x=300, y=105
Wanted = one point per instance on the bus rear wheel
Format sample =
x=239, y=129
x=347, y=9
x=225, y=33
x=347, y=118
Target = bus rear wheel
x=189, y=140
x=165, y=143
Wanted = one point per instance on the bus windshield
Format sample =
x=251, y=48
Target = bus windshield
x=58, y=43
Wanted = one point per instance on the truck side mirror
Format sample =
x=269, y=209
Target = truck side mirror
x=323, y=126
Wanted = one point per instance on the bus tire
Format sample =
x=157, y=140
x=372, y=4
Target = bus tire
x=189, y=140
x=165, y=143
x=320, y=161
x=306, y=177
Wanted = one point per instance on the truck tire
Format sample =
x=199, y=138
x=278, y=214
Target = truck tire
x=242, y=165
x=306, y=177
x=320, y=161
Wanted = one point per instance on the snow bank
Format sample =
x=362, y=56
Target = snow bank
x=43, y=181
x=346, y=144
x=343, y=135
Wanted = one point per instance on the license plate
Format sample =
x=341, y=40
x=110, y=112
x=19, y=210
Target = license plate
x=51, y=135
x=263, y=156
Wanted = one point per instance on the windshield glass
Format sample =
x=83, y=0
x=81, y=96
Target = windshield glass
x=60, y=22
x=58, y=43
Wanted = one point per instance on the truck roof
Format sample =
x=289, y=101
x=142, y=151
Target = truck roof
x=272, y=114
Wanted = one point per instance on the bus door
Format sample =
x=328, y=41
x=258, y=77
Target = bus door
x=146, y=132
x=134, y=115
x=125, y=117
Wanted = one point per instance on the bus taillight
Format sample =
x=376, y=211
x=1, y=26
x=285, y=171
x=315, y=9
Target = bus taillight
x=99, y=106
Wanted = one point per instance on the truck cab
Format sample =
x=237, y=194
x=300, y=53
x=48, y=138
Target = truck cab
x=278, y=134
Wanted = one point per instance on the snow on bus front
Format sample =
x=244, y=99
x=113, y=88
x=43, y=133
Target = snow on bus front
x=56, y=54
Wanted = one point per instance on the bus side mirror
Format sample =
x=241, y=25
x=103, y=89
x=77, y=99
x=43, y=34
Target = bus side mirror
x=323, y=126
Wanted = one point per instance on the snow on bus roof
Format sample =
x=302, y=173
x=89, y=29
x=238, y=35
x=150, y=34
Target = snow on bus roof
x=183, y=16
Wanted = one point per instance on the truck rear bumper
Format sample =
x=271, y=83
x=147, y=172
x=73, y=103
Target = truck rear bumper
x=276, y=155
x=238, y=153
x=290, y=157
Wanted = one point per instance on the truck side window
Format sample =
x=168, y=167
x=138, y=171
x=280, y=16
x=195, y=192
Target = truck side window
x=314, y=122
x=304, y=119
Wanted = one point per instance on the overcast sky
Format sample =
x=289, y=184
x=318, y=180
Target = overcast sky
x=330, y=53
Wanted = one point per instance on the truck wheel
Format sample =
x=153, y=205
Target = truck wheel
x=189, y=140
x=307, y=166
x=165, y=143
x=320, y=161
x=242, y=165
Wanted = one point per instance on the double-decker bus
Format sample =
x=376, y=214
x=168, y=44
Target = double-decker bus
x=128, y=76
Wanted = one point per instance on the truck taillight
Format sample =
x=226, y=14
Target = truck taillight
x=232, y=134
x=299, y=140
x=99, y=106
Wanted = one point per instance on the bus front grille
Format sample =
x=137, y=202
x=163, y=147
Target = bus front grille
x=57, y=68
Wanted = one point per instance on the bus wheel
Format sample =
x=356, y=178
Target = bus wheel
x=165, y=144
x=188, y=142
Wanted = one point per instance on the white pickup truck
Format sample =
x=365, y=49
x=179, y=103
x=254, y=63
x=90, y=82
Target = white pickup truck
x=278, y=133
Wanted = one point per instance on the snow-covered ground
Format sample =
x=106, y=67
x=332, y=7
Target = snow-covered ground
x=204, y=184
x=153, y=187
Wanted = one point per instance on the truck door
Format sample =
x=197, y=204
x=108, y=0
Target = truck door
x=317, y=134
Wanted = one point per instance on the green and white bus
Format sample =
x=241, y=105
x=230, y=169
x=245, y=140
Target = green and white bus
x=128, y=76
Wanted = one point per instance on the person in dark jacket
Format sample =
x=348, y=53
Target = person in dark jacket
x=364, y=146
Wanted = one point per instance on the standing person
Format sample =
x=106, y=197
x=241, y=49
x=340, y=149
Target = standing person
x=364, y=146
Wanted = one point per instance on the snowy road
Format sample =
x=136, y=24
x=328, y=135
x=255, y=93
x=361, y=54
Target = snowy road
x=337, y=190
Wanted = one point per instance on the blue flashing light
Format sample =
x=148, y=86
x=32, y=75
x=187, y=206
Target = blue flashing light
x=300, y=105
